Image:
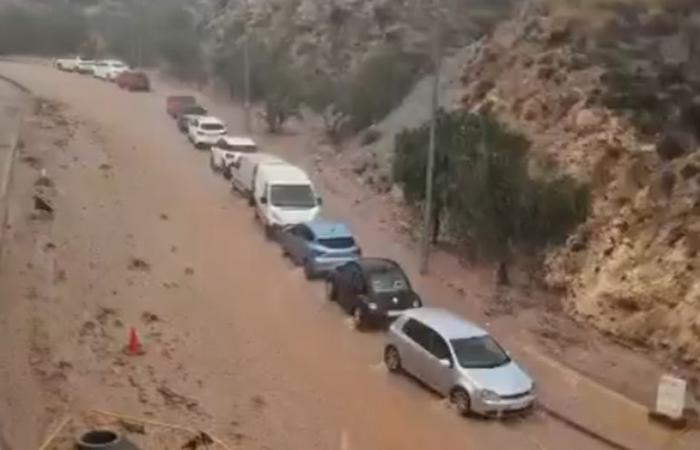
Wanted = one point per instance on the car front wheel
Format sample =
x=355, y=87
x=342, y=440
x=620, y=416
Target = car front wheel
x=212, y=164
x=461, y=401
x=392, y=359
x=358, y=318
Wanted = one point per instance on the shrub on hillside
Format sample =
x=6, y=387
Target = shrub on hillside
x=379, y=85
x=483, y=185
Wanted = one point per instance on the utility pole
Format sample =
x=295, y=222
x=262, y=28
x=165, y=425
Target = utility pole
x=246, y=69
x=430, y=166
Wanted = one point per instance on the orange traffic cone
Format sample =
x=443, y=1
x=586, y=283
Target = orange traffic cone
x=134, y=348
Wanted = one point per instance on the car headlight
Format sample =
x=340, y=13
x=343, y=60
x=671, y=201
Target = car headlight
x=372, y=306
x=489, y=396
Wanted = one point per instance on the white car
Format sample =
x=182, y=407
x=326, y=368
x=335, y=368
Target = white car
x=86, y=67
x=227, y=152
x=110, y=69
x=67, y=64
x=204, y=132
x=246, y=168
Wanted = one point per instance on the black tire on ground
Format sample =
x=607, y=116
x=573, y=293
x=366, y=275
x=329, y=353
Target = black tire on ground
x=212, y=165
x=269, y=232
x=461, y=401
x=331, y=292
x=100, y=439
x=308, y=270
x=358, y=318
x=392, y=359
x=226, y=172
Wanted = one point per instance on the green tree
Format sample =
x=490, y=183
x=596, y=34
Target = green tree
x=483, y=185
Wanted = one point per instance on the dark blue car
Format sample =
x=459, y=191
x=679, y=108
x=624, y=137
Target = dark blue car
x=319, y=246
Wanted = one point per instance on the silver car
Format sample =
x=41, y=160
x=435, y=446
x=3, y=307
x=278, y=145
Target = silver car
x=459, y=360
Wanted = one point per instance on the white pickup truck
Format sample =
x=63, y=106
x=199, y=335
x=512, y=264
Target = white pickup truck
x=67, y=64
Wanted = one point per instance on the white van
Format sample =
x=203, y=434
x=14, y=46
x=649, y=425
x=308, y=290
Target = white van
x=244, y=170
x=284, y=195
x=228, y=150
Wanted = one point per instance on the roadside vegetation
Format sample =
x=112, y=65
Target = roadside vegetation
x=41, y=31
x=485, y=196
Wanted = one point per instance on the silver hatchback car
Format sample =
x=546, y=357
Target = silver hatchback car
x=459, y=360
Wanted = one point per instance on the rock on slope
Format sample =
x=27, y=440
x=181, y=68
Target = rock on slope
x=632, y=269
x=332, y=36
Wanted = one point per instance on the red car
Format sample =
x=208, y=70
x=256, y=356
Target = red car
x=133, y=81
x=176, y=103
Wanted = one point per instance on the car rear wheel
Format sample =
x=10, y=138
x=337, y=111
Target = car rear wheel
x=461, y=401
x=392, y=359
x=212, y=164
x=358, y=318
x=331, y=292
x=309, y=270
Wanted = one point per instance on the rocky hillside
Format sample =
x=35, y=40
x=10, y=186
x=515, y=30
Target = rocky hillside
x=333, y=36
x=616, y=106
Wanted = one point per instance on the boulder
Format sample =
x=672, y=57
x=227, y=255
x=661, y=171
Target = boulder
x=588, y=119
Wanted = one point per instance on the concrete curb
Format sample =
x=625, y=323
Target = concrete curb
x=7, y=170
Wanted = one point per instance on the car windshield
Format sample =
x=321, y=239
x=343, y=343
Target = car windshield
x=212, y=126
x=292, y=196
x=196, y=111
x=390, y=280
x=237, y=148
x=337, y=242
x=481, y=352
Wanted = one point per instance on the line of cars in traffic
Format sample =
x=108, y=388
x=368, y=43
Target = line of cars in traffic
x=112, y=70
x=447, y=353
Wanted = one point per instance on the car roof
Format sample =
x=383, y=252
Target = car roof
x=448, y=324
x=239, y=141
x=328, y=229
x=285, y=173
x=376, y=264
x=211, y=119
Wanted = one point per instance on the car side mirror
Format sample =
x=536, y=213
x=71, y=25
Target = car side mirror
x=446, y=362
x=263, y=200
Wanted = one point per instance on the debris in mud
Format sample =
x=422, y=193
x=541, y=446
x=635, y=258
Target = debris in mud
x=87, y=328
x=60, y=276
x=258, y=401
x=132, y=427
x=44, y=180
x=104, y=314
x=149, y=317
x=172, y=398
x=49, y=246
x=164, y=216
x=189, y=271
x=173, y=249
x=43, y=208
x=31, y=161
x=202, y=439
x=105, y=167
x=139, y=264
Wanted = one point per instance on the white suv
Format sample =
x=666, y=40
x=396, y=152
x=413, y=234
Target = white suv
x=110, y=69
x=204, y=132
x=227, y=152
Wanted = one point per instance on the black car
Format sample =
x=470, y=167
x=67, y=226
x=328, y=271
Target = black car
x=182, y=116
x=372, y=290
